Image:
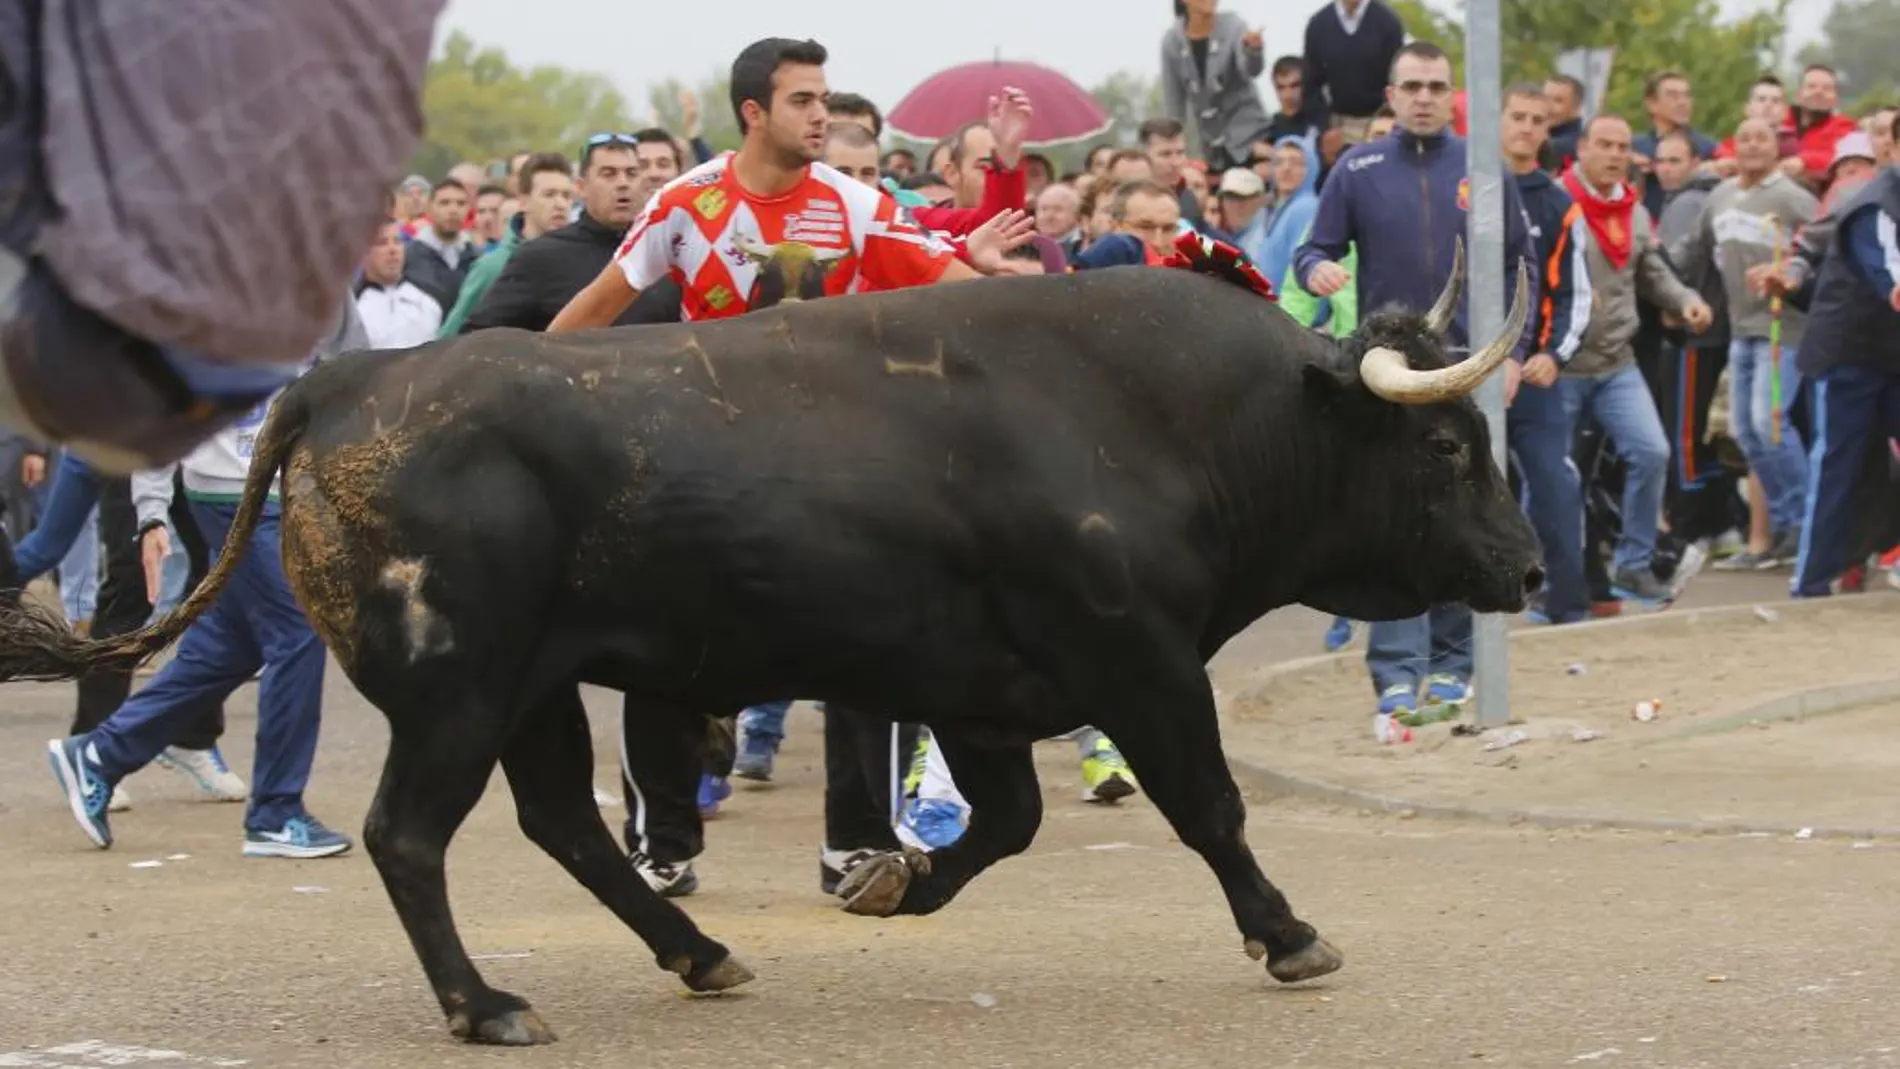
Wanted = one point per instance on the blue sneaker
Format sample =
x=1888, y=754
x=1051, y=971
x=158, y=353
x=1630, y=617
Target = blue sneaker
x=75, y=764
x=936, y=822
x=712, y=790
x=756, y=752
x=302, y=836
x=1396, y=699
x=1338, y=636
x=1446, y=690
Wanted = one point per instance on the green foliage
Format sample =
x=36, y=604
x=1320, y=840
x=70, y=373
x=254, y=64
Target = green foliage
x=478, y=106
x=1860, y=39
x=718, y=125
x=1720, y=57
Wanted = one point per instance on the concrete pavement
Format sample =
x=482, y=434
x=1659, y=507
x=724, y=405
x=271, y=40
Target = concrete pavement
x=1107, y=944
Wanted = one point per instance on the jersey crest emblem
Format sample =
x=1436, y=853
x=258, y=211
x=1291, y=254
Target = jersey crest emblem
x=710, y=203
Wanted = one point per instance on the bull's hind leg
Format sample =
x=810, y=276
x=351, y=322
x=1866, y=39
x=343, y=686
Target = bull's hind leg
x=1167, y=728
x=439, y=762
x=1005, y=801
x=550, y=765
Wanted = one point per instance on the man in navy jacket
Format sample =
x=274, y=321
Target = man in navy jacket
x=1403, y=200
x=1538, y=430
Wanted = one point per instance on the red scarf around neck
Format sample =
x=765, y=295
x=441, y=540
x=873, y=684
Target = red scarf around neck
x=1609, y=220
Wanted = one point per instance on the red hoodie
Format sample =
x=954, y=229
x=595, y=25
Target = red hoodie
x=1002, y=191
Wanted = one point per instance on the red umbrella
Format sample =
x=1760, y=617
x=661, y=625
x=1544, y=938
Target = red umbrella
x=946, y=100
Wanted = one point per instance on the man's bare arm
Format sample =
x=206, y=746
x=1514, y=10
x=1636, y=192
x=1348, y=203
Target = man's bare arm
x=598, y=305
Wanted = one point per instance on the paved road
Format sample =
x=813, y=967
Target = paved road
x=1107, y=943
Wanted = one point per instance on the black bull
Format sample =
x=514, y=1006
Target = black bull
x=1000, y=508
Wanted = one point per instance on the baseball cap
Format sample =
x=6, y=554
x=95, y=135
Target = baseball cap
x=1242, y=182
x=1854, y=146
x=414, y=181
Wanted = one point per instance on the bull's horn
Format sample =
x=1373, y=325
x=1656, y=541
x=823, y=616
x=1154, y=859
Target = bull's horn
x=1439, y=318
x=753, y=249
x=825, y=256
x=1385, y=372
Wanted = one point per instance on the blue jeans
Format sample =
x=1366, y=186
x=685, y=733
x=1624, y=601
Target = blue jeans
x=79, y=571
x=1620, y=401
x=1403, y=652
x=72, y=499
x=1781, y=468
x=254, y=622
x=1855, y=409
x=1538, y=432
x=766, y=720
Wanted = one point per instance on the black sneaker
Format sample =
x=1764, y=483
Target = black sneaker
x=672, y=879
x=1783, y=551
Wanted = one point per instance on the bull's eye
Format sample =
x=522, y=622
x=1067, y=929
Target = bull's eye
x=1446, y=447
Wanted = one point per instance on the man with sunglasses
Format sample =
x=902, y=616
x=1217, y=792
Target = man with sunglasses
x=1403, y=201
x=544, y=274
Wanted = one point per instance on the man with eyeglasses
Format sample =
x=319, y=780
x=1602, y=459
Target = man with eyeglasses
x=1403, y=201
x=545, y=273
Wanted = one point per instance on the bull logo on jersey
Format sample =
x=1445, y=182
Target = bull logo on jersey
x=1464, y=194
x=787, y=272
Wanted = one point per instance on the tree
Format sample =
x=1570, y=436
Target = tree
x=1719, y=57
x=1129, y=99
x=1859, y=39
x=713, y=97
x=478, y=106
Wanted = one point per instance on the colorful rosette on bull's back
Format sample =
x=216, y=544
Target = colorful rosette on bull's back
x=1208, y=256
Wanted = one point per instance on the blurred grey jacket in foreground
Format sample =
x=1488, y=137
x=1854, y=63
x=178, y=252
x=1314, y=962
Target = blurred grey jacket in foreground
x=219, y=166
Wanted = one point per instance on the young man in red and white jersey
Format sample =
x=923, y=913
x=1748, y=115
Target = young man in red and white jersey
x=736, y=233
x=773, y=192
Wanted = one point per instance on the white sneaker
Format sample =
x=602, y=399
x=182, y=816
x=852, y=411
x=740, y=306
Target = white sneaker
x=120, y=802
x=207, y=769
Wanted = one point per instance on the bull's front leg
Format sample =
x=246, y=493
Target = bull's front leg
x=1165, y=724
x=1005, y=810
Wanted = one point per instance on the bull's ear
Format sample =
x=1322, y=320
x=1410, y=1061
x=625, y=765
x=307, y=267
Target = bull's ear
x=1330, y=385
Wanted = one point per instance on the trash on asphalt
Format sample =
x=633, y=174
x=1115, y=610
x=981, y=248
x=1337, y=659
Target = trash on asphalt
x=1646, y=711
x=984, y=999
x=1576, y=668
x=1585, y=735
x=1387, y=730
x=147, y=864
x=501, y=955
x=1717, y=978
x=177, y=857
x=1804, y=833
x=310, y=889
x=1515, y=737
x=1467, y=729
x=1766, y=615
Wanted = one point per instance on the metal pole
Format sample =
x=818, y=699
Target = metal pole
x=1485, y=163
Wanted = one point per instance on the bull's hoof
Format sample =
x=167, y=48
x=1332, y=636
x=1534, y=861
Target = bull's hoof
x=1316, y=960
x=876, y=887
x=514, y=1028
x=725, y=974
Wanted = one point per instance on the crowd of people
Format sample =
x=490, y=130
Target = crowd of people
x=1711, y=364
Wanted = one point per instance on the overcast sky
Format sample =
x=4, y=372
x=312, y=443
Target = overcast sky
x=880, y=48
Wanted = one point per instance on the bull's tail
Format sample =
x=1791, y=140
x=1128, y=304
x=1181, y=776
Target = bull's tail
x=37, y=643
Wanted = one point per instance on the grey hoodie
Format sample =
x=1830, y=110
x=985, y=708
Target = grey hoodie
x=1737, y=230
